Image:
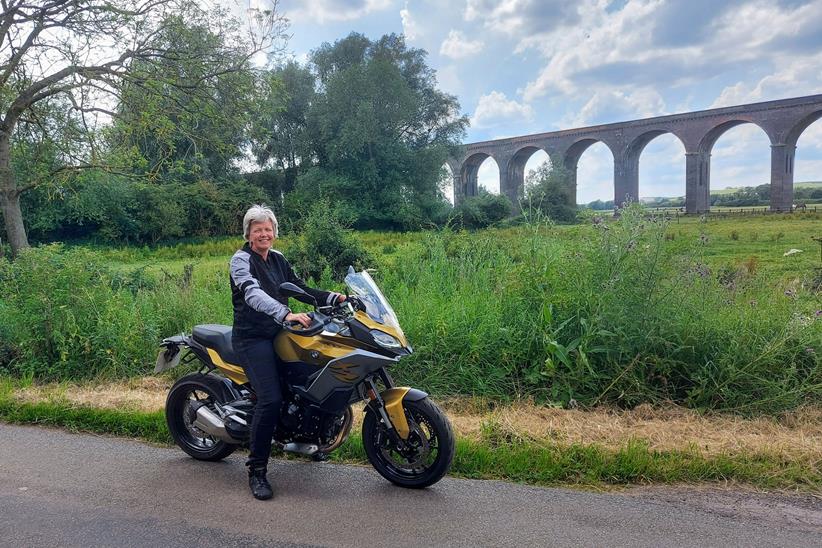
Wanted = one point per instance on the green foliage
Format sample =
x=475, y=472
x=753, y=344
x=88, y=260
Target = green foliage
x=114, y=209
x=380, y=125
x=68, y=316
x=279, y=129
x=326, y=245
x=183, y=117
x=549, y=190
x=482, y=211
x=610, y=312
x=615, y=316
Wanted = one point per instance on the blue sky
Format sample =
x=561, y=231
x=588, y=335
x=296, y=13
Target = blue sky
x=528, y=66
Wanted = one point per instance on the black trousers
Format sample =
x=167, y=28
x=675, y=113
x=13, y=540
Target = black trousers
x=260, y=365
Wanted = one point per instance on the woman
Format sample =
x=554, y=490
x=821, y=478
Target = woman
x=260, y=309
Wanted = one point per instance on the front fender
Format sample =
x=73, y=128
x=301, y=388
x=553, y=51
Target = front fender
x=393, y=398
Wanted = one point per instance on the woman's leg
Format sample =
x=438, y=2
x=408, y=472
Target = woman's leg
x=260, y=365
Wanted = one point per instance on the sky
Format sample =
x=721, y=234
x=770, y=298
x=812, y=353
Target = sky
x=528, y=66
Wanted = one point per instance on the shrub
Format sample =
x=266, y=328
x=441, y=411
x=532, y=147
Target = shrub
x=549, y=190
x=481, y=211
x=325, y=243
x=67, y=316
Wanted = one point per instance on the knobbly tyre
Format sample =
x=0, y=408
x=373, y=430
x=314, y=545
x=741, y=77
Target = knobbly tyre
x=340, y=359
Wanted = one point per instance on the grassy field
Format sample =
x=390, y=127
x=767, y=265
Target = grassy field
x=707, y=314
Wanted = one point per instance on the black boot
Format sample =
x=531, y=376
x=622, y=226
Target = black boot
x=260, y=487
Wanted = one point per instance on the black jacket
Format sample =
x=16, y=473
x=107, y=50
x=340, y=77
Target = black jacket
x=259, y=307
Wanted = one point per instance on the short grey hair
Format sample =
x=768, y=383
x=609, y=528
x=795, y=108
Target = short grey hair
x=258, y=213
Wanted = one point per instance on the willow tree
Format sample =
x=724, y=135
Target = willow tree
x=75, y=58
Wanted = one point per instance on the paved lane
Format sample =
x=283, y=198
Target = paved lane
x=58, y=488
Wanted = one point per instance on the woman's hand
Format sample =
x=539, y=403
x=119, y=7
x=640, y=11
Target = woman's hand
x=302, y=318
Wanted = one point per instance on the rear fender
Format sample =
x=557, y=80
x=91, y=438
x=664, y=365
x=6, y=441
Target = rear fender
x=171, y=352
x=392, y=399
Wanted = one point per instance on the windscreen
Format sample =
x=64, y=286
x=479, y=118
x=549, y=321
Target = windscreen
x=376, y=306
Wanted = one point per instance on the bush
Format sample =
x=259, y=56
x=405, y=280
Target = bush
x=326, y=244
x=549, y=190
x=66, y=316
x=481, y=211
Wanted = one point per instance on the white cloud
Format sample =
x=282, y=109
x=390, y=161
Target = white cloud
x=495, y=109
x=324, y=11
x=410, y=27
x=612, y=105
x=633, y=46
x=458, y=46
x=521, y=16
x=794, y=77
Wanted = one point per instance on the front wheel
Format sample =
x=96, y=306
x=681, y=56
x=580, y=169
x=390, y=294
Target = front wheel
x=421, y=460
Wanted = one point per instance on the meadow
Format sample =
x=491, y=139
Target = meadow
x=706, y=314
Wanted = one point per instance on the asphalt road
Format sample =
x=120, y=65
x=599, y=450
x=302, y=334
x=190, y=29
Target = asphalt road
x=64, y=489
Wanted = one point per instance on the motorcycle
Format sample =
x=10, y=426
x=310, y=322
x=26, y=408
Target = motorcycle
x=340, y=359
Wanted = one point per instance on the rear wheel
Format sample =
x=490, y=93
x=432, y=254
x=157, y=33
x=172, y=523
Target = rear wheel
x=421, y=460
x=184, y=398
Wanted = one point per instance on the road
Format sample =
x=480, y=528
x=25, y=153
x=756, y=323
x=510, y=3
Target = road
x=64, y=489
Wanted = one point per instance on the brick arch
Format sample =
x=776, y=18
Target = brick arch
x=469, y=169
x=575, y=151
x=641, y=141
x=799, y=128
x=635, y=149
x=706, y=144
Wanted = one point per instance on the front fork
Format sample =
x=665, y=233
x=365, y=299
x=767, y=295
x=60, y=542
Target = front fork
x=388, y=405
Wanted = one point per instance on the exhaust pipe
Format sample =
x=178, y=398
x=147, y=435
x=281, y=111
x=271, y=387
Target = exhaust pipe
x=212, y=425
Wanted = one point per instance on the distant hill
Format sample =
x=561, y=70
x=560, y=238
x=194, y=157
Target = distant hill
x=730, y=190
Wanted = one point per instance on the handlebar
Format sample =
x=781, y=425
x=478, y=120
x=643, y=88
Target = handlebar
x=318, y=321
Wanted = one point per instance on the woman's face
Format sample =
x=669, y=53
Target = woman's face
x=261, y=236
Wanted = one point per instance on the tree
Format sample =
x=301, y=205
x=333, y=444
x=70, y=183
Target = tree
x=179, y=130
x=75, y=57
x=280, y=126
x=380, y=124
x=548, y=189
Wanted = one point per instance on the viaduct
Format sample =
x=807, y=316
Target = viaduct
x=783, y=121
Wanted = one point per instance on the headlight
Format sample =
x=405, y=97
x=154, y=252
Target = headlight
x=385, y=340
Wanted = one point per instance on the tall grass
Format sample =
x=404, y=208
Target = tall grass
x=616, y=312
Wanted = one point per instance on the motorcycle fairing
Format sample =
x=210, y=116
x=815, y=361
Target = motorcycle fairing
x=344, y=373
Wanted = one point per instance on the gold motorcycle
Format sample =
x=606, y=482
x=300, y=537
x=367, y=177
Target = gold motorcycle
x=339, y=360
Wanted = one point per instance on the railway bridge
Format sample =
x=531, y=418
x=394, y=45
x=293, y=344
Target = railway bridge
x=783, y=121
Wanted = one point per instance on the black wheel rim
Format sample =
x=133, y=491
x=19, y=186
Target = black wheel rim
x=190, y=434
x=421, y=452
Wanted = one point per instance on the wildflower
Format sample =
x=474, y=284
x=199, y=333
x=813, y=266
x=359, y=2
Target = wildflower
x=818, y=314
x=703, y=238
x=597, y=220
x=753, y=303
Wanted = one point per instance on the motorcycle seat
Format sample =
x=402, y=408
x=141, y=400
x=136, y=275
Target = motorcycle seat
x=217, y=337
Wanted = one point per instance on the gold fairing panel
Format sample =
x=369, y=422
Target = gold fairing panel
x=393, y=407
x=296, y=348
x=371, y=324
x=233, y=372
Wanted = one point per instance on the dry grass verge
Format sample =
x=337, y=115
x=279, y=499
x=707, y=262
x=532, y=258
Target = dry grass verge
x=794, y=436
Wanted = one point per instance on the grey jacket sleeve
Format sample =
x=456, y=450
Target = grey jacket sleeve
x=253, y=294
